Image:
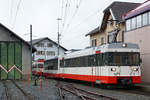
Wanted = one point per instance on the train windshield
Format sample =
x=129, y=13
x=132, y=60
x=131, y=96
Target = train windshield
x=40, y=65
x=123, y=59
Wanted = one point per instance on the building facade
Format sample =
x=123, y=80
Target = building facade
x=46, y=49
x=138, y=31
x=14, y=55
x=112, y=24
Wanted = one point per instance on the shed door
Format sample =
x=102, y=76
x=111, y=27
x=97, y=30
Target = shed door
x=11, y=60
x=3, y=59
x=18, y=59
x=10, y=55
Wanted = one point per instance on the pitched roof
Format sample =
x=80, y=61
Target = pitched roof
x=96, y=30
x=144, y=7
x=117, y=9
x=35, y=41
x=18, y=37
x=120, y=8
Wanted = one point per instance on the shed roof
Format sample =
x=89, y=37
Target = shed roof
x=18, y=37
x=120, y=8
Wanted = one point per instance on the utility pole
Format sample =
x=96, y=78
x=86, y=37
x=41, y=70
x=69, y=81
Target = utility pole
x=31, y=48
x=58, y=38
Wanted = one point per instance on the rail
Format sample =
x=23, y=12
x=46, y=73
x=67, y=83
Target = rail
x=22, y=91
x=83, y=94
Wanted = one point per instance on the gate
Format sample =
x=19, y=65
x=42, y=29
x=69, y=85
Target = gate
x=10, y=60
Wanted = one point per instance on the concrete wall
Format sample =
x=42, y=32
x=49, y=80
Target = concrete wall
x=26, y=59
x=5, y=35
x=141, y=36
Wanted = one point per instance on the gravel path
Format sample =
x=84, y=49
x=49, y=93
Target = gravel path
x=48, y=92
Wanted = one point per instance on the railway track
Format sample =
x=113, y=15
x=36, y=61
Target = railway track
x=12, y=91
x=81, y=93
x=5, y=94
x=136, y=90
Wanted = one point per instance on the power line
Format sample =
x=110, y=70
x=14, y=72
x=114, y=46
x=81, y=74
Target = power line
x=67, y=12
x=75, y=37
x=11, y=9
x=74, y=14
x=89, y=16
x=18, y=6
x=62, y=7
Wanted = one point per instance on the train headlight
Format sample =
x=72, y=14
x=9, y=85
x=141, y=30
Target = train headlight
x=113, y=69
x=135, y=69
x=124, y=45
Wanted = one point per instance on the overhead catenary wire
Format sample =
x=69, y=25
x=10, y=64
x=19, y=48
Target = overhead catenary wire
x=18, y=6
x=84, y=20
x=67, y=14
x=62, y=9
x=87, y=18
x=73, y=16
x=11, y=9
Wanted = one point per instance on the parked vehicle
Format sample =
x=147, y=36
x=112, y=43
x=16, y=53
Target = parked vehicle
x=37, y=67
x=115, y=63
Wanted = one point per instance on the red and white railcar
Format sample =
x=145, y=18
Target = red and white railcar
x=115, y=63
x=37, y=67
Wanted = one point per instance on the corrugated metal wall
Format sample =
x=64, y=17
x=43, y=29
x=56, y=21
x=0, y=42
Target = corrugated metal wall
x=10, y=55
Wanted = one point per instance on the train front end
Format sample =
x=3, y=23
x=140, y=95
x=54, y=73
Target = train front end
x=122, y=64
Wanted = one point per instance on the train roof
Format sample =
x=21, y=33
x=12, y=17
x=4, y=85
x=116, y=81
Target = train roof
x=120, y=45
x=104, y=48
x=55, y=57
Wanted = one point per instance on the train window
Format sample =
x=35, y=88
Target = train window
x=91, y=60
x=99, y=60
x=86, y=61
x=78, y=62
x=61, y=63
x=123, y=59
x=40, y=65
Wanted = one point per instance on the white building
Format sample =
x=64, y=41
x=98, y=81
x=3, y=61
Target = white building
x=46, y=49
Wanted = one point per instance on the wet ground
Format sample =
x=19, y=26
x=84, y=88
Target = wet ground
x=49, y=91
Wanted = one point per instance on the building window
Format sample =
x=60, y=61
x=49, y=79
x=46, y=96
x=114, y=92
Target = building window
x=139, y=21
x=102, y=40
x=110, y=38
x=40, y=53
x=51, y=53
x=128, y=25
x=93, y=42
x=145, y=19
x=122, y=36
x=149, y=17
x=49, y=45
x=133, y=25
x=40, y=45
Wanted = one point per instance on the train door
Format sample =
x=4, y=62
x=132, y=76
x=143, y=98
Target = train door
x=99, y=63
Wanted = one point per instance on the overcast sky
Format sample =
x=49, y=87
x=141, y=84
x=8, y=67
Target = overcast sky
x=78, y=18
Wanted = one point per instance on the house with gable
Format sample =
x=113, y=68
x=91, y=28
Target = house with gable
x=46, y=49
x=112, y=23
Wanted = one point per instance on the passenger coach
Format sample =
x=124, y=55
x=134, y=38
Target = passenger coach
x=115, y=63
